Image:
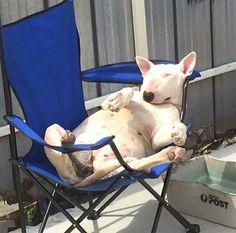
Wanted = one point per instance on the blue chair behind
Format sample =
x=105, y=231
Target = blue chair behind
x=41, y=62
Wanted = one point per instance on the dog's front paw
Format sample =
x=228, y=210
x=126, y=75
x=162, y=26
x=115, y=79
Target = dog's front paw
x=114, y=102
x=178, y=134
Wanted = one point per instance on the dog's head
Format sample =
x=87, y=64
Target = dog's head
x=164, y=82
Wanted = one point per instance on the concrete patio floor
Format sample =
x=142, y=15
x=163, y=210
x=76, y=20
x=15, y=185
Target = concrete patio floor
x=132, y=212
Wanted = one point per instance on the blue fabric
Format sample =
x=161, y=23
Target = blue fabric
x=42, y=59
x=47, y=169
x=126, y=72
x=155, y=172
x=101, y=185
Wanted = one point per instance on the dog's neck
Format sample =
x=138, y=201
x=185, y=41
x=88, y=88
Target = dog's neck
x=176, y=103
x=178, y=106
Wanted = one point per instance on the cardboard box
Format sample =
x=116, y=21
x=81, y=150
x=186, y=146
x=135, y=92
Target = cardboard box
x=205, y=187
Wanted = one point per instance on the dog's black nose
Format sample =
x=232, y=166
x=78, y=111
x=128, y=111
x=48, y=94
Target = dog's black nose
x=148, y=96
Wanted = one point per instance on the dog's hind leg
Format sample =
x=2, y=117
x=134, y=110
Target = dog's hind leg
x=106, y=167
x=54, y=136
x=169, y=154
x=73, y=167
x=82, y=161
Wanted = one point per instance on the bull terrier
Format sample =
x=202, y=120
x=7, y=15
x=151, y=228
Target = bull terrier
x=142, y=122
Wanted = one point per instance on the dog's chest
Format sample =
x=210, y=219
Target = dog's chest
x=151, y=117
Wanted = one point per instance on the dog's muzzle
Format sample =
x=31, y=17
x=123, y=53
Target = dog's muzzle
x=148, y=96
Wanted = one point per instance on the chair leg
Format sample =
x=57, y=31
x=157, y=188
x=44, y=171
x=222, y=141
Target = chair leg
x=18, y=188
x=45, y=219
x=94, y=204
x=163, y=194
x=97, y=213
x=105, y=205
x=190, y=228
x=93, y=214
x=63, y=194
x=57, y=205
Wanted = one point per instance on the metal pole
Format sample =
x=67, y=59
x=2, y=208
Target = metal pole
x=167, y=206
x=95, y=204
x=45, y=4
x=45, y=219
x=12, y=137
x=213, y=65
x=163, y=194
x=95, y=43
x=56, y=204
x=176, y=43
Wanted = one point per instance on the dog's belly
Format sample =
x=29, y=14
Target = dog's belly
x=132, y=137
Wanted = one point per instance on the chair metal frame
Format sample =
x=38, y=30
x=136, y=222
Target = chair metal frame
x=57, y=189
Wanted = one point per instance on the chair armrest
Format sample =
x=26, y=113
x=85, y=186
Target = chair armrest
x=125, y=72
x=18, y=123
x=193, y=75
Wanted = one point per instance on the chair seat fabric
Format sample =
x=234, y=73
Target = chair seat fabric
x=48, y=170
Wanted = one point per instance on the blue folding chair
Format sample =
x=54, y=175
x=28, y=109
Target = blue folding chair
x=40, y=58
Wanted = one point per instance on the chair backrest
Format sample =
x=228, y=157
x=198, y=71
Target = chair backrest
x=42, y=58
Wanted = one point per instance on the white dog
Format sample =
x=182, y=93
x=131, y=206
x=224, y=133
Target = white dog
x=141, y=121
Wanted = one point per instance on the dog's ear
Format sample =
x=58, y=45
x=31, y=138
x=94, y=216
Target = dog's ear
x=143, y=64
x=187, y=64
